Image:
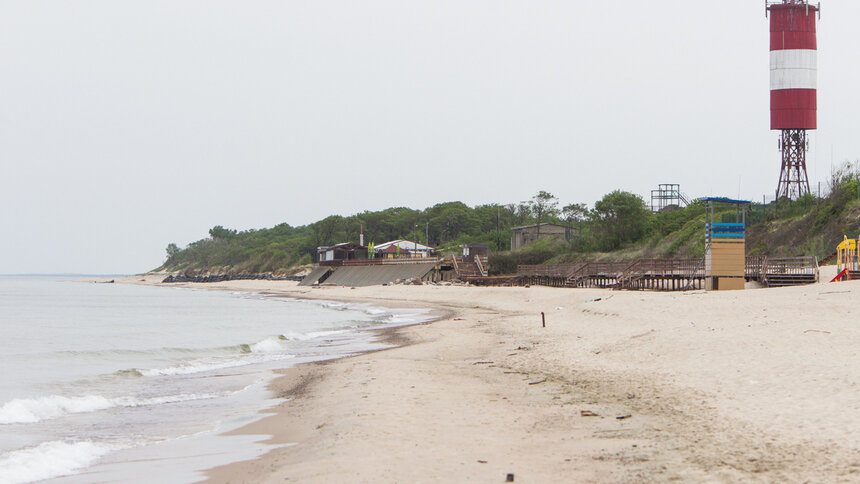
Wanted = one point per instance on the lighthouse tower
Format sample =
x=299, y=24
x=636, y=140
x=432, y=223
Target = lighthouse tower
x=793, y=84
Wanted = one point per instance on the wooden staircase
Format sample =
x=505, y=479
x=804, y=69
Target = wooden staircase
x=473, y=267
x=782, y=280
x=596, y=274
x=789, y=271
x=628, y=275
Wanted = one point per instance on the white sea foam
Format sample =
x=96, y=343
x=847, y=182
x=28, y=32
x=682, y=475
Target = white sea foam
x=32, y=410
x=200, y=366
x=335, y=305
x=323, y=334
x=49, y=459
x=374, y=310
x=382, y=315
x=268, y=345
x=272, y=348
x=402, y=319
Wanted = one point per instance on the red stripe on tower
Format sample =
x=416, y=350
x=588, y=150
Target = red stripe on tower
x=793, y=65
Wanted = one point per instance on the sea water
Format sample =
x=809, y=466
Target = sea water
x=127, y=383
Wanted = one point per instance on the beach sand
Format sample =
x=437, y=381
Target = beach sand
x=743, y=386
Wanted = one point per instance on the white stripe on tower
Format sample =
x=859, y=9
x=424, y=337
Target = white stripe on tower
x=793, y=69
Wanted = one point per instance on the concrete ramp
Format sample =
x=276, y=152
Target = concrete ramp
x=315, y=276
x=372, y=275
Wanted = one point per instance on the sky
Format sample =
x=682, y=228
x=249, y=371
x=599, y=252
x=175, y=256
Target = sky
x=128, y=125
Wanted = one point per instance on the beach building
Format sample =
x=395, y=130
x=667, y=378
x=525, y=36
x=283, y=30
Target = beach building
x=527, y=234
x=339, y=252
x=401, y=249
x=397, y=261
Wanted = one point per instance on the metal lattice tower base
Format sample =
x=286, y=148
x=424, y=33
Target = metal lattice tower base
x=793, y=182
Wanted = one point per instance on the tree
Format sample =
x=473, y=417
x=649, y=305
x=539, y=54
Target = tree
x=543, y=203
x=450, y=220
x=520, y=212
x=172, y=250
x=842, y=175
x=219, y=232
x=621, y=217
x=574, y=212
x=326, y=230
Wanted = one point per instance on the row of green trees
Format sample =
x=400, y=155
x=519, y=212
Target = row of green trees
x=618, y=218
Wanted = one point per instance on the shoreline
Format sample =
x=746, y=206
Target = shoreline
x=293, y=382
x=278, y=425
x=734, y=386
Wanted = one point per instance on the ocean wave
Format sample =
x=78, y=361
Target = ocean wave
x=269, y=345
x=405, y=319
x=335, y=305
x=130, y=373
x=314, y=334
x=200, y=366
x=274, y=344
x=49, y=459
x=32, y=410
x=379, y=314
x=272, y=348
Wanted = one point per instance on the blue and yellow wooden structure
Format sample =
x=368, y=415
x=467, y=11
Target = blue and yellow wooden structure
x=725, y=244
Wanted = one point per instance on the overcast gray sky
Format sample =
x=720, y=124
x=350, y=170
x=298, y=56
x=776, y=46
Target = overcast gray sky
x=128, y=125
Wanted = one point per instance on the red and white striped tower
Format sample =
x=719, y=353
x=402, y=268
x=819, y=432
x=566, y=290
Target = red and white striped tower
x=793, y=83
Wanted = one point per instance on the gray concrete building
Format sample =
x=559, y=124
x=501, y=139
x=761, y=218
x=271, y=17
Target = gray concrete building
x=527, y=234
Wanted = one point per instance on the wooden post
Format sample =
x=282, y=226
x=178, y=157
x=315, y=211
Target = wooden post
x=543, y=319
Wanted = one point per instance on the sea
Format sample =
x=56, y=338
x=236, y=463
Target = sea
x=105, y=382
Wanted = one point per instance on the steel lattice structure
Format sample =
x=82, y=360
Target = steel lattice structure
x=793, y=181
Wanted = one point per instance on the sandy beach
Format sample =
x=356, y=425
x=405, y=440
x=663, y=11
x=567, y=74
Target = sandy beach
x=745, y=386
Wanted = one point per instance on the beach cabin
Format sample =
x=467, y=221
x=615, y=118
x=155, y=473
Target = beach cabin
x=340, y=252
x=522, y=236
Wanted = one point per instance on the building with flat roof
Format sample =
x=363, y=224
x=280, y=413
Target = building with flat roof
x=522, y=236
x=344, y=251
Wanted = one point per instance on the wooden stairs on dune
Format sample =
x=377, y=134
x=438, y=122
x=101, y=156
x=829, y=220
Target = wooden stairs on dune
x=469, y=267
x=784, y=271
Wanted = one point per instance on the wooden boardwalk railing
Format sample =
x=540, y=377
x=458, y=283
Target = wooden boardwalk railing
x=664, y=274
x=545, y=274
x=654, y=274
x=782, y=271
x=480, y=264
x=597, y=274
